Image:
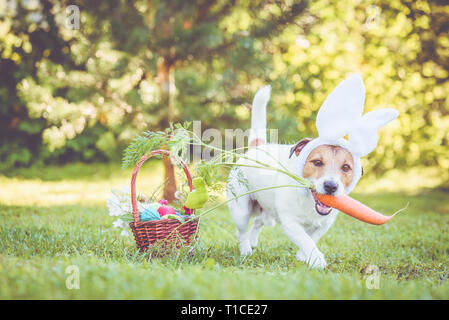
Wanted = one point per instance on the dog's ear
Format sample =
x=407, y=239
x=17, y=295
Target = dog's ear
x=299, y=146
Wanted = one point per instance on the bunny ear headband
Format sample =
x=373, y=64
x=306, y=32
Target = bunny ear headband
x=341, y=114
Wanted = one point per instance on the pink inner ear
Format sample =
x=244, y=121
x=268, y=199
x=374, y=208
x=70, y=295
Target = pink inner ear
x=256, y=142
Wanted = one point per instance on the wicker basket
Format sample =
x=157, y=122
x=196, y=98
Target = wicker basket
x=164, y=235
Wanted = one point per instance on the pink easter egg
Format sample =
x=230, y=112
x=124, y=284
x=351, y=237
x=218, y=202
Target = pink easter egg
x=164, y=210
x=163, y=201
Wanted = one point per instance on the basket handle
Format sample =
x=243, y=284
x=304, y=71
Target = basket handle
x=136, y=214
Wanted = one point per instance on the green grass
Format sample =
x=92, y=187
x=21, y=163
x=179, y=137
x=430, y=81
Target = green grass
x=56, y=217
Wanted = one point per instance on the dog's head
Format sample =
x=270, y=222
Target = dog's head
x=331, y=162
x=330, y=168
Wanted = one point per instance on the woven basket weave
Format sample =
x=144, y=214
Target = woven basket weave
x=165, y=235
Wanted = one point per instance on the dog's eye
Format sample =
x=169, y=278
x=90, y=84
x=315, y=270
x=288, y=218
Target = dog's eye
x=345, y=168
x=317, y=163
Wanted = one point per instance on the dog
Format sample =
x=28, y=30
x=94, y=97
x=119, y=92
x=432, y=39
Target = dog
x=330, y=162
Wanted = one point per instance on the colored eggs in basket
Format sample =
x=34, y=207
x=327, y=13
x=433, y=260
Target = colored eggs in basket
x=149, y=214
x=164, y=210
x=159, y=211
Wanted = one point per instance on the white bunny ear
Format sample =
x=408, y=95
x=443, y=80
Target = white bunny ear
x=342, y=109
x=363, y=138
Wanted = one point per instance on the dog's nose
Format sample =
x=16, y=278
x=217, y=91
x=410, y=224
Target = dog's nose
x=330, y=187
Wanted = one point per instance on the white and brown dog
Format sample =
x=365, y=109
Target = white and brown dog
x=330, y=162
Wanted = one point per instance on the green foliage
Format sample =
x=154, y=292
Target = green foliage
x=84, y=94
x=106, y=75
x=211, y=172
x=175, y=138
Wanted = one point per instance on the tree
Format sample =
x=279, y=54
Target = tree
x=25, y=40
x=124, y=50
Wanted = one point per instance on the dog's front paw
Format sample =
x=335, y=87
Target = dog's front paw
x=245, y=249
x=315, y=259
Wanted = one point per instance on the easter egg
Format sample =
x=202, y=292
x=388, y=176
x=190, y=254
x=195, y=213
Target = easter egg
x=169, y=216
x=164, y=210
x=149, y=215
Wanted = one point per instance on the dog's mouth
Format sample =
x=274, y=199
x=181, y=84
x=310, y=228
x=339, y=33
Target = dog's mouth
x=321, y=208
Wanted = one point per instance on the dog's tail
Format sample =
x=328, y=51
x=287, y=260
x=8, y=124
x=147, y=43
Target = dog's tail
x=258, y=132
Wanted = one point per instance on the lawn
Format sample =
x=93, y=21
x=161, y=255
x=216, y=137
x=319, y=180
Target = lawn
x=56, y=217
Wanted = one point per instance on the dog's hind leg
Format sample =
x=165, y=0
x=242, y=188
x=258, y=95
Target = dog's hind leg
x=258, y=222
x=240, y=210
x=255, y=230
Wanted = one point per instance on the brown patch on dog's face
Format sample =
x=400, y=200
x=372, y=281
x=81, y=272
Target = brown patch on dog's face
x=327, y=160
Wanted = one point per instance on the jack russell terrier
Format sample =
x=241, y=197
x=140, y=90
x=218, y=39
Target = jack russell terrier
x=330, y=162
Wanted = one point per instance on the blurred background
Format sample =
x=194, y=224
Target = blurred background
x=80, y=79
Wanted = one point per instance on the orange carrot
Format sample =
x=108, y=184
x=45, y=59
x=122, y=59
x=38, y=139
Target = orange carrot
x=355, y=209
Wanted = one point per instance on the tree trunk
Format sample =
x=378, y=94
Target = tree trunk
x=170, y=181
x=165, y=77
